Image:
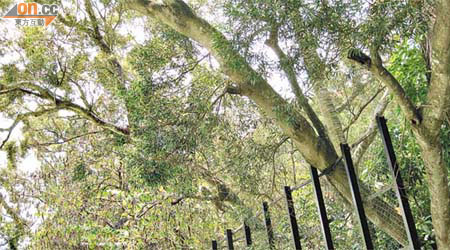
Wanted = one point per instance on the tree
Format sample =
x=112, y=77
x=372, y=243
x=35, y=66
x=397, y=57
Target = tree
x=321, y=154
x=154, y=111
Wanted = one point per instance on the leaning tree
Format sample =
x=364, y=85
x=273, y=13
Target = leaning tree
x=152, y=106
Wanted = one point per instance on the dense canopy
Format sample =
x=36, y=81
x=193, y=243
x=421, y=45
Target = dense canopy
x=159, y=124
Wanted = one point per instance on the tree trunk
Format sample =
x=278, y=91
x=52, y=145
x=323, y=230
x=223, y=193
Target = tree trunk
x=428, y=133
x=437, y=178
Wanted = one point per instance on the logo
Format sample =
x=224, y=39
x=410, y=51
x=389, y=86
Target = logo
x=33, y=14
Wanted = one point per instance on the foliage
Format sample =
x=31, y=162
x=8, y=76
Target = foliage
x=145, y=143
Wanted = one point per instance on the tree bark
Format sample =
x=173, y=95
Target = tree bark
x=433, y=116
x=177, y=15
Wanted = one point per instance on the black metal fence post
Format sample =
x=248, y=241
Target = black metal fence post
x=229, y=234
x=326, y=233
x=414, y=242
x=408, y=220
x=248, y=234
x=268, y=225
x=292, y=218
x=356, y=195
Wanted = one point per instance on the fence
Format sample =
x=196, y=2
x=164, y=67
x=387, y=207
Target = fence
x=408, y=220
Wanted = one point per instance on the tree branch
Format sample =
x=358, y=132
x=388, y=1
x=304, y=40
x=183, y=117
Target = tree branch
x=95, y=32
x=100, y=41
x=9, y=130
x=19, y=222
x=286, y=66
x=370, y=133
x=357, y=90
x=363, y=107
x=67, y=105
x=375, y=66
x=21, y=117
x=97, y=38
x=65, y=140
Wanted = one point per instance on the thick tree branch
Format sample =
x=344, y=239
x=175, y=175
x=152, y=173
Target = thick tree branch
x=316, y=69
x=375, y=66
x=287, y=67
x=96, y=36
x=427, y=123
x=332, y=119
x=91, y=116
